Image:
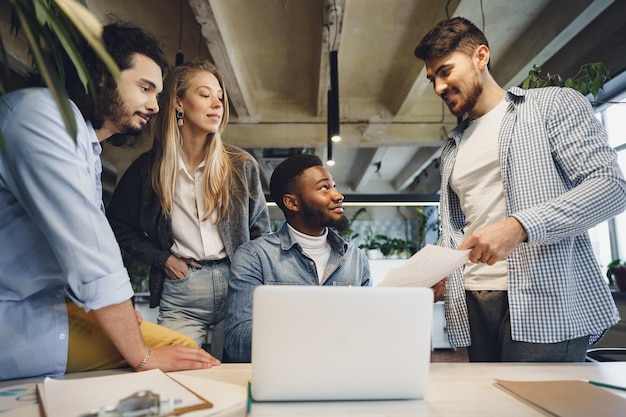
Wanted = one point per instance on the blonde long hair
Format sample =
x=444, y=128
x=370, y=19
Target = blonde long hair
x=220, y=169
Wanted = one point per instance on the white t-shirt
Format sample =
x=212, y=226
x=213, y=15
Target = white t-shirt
x=477, y=181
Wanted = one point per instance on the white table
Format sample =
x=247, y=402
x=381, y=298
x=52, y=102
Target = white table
x=455, y=389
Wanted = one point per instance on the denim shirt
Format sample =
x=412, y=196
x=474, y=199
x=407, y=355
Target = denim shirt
x=277, y=259
x=55, y=239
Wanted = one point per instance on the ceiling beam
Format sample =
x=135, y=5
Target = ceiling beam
x=283, y=135
x=207, y=14
x=331, y=39
x=414, y=87
x=367, y=159
x=428, y=181
x=552, y=30
x=609, y=27
x=422, y=159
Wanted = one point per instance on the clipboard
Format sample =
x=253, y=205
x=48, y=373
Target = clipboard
x=205, y=404
x=107, y=390
x=566, y=398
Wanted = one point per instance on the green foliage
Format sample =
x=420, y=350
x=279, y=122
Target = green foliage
x=609, y=269
x=398, y=246
x=590, y=78
x=53, y=28
x=275, y=225
x=385, y=244
x=349, y=234
x=138, y=272
x=371, y=240
x=424, y=225
x=390, y=246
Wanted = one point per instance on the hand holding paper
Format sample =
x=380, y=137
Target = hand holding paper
x=426, y=267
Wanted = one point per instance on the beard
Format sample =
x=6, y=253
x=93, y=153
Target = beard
x=111, y=107
x=323, y=219
x=462, y=107
x=339, y=224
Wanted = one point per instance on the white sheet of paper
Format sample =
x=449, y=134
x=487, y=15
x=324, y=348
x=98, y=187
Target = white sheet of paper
x=74, y=397
x=221, y=394
x=427, y=267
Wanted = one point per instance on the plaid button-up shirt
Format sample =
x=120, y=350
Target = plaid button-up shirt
x=560, y=179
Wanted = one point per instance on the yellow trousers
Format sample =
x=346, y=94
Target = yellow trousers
x=90, y=348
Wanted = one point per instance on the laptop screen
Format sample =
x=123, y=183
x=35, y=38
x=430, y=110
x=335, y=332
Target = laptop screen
x=340, y=343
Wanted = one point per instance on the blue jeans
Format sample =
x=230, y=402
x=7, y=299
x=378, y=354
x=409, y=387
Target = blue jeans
x=196, y=304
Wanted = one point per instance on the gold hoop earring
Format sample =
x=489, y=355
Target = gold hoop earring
x=179, y=118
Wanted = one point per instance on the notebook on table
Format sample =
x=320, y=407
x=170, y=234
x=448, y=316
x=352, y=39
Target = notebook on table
x=340, y=343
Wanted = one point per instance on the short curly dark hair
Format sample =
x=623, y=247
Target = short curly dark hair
x=286, y=173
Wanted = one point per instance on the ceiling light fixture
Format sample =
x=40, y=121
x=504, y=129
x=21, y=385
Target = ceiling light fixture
x=180, y=58
x=332, y=20
x=333, y=97
x=329, y=142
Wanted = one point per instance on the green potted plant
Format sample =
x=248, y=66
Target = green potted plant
x=372, y=244
x=425, y=224
x=398, y=248
x=590, y=78
x=386, y=245
x=349, y=233
x=616, y=273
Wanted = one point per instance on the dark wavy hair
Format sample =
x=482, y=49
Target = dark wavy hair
x=122, y=40
x=456, y=34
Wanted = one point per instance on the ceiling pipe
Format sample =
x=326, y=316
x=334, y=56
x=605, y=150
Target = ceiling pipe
x=333, y=98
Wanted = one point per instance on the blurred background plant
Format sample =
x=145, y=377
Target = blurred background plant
x=427, y=221
x=54, y=29
x=370, y=240
x=138, y=272
x=616, y=274
x=590, y=78
x=349, y=233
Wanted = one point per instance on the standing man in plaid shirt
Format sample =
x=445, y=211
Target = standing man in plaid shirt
x=524, y=177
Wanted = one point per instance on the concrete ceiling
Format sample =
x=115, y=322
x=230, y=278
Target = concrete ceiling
x=274, y=55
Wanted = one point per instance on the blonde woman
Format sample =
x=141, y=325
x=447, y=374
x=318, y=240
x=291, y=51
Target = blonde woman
x=187, y=205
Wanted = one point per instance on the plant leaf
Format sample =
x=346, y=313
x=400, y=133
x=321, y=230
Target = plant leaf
x=590, y=78
x=48, y=74
x=70, y=48
x=91, y=29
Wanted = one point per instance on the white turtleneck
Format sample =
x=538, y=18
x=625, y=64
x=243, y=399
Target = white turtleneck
x=315, y=247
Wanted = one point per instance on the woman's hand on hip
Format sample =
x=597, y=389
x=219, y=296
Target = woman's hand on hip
x=176, y=268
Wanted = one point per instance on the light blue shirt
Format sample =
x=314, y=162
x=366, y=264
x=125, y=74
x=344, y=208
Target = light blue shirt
x=277, y=259
x=55, y=239
x=560, y=179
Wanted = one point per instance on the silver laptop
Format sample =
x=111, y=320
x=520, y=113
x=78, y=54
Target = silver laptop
x=340, y=343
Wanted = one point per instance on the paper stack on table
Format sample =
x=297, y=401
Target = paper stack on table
x=427, y=267
x=80, y=396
